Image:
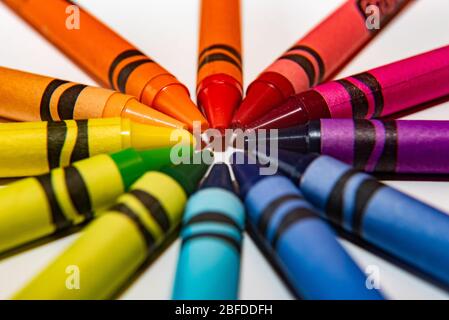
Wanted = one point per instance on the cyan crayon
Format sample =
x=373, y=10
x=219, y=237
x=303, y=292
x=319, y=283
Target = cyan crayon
x=209, y=260
x=315, y=263
x=391, y=220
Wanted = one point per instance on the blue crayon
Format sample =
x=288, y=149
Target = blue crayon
x=399, y=224
x=306, y=247
x=209, y=260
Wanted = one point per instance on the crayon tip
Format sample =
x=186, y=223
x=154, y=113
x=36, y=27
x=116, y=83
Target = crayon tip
x=148, y=137
x=174, y=101
x=219, y=99
x=294, y=164
x=218, y=177
x=142, y=113
x=187, y=175
x=290, y=113
x=261, y=98
x=246, y=173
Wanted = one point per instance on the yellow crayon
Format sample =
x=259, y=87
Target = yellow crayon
x=32, y=148
x=35, y=207
x=114, y=245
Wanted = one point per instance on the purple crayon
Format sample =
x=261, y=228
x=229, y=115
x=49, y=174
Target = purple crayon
x=376, y=93
x=385, y=146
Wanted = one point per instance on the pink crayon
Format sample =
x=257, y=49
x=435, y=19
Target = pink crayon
x=375, y=93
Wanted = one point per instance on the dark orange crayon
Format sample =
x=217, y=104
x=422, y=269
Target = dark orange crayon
x=317, y=56
x=30, y=97
x=109, y=58
x=219, y=80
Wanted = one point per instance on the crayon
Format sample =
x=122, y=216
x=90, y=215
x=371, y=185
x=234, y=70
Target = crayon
x=30, y=97
x=379, y=92
x=219, y=80
x=33, y=148
x=315, y=263
x=109, y=58
x=316, y=57
x=383, y=146
x=406, y=228
x=117, y=243
x=39, y=206
x=213, y=223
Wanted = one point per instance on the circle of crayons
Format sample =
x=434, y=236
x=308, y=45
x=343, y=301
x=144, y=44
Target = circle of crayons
x=103, y=157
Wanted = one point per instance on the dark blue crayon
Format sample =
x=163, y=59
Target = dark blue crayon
x=209, y=260
x=315, y=263
x=399, y=224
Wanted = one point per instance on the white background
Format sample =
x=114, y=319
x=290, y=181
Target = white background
x=167, y=30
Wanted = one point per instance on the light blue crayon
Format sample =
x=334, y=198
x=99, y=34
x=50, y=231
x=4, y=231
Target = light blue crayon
x=209, y=260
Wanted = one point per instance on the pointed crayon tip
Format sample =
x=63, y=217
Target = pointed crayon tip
x=175, y=102
x=219, y=177
x=260, y=99
x=188, y=175
x=219, y=97
x=247, y=173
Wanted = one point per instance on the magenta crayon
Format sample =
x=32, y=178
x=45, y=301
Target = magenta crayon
x=375, y=93
x=317, y=56
x=384, y=146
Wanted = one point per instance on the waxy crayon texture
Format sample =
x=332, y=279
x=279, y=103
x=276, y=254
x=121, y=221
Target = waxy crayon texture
x=313, y=260
x=32, y=148
x=116, y=63
x=315, y=57
x=213, y=223
x=406, y=228
x=219, y=78
x=35, y=207
x=120, y=240
x=391, y=88
x=30, y=97
x=401, y=146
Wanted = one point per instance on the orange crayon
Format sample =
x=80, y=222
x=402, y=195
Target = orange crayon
x=30, y=97
x=219, y=81
x=109, y=58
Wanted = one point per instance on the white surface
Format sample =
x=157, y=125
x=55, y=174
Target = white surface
x=167, y=31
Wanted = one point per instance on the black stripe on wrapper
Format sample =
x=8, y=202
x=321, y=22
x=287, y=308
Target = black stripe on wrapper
x=122, y=56
x=67, y=101
x=56, y=135
x=128, y=212
x=389, y=157
x=334, y=206
x=154, y=207
x=316, y=55
x=270, y=210
x=124, y=74
x=78, y=192
x=230, y=240
x=364, y=193
x=46, y=99
x=305, y=64
x=359, y=102
x=291, y=218
x=218, y=57
x=58, y=219
x=224, y=47
x=81, y=148
x=364, y=142
x=375, y=89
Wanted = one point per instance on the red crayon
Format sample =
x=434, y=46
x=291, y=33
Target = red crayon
x=219, y=83
x=376, y=93
x=317, y=56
